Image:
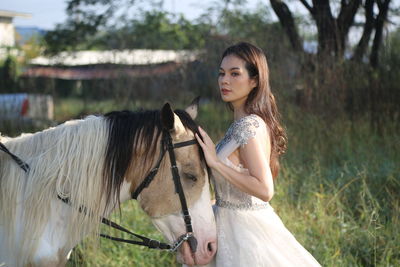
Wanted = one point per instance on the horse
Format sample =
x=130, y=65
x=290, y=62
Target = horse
x=95, y=164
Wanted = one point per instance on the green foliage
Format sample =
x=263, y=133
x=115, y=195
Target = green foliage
x=33, y=47
x=154, y=29
x=341, y=183
x=157, y=30
x=9, y=75
x=245, y=24
x=83, y=23
x=69, y=37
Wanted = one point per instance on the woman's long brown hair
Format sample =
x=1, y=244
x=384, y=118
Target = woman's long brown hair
x=260, y=100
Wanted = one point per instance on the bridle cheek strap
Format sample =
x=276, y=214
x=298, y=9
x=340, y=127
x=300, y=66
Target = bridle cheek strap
x=179, y=190
x=166, y=145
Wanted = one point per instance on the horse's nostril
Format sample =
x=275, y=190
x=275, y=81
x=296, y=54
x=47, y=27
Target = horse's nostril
x=210, y=249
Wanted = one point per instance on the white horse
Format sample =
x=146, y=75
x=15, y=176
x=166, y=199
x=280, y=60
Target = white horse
x=97, y=163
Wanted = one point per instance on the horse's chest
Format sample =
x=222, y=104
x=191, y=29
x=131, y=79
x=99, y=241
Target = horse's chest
x=51, y=249
x=52, y=245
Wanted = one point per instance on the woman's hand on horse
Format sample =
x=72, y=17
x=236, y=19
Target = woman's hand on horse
x=208, y=147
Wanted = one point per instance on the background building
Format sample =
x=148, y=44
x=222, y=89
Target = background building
x=7, y=30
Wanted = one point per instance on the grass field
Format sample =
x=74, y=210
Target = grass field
x=338, y=191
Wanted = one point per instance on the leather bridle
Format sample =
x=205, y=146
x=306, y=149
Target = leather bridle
x=166, y=145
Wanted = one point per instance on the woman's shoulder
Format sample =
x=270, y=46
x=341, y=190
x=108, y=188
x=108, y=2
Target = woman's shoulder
x=250, y=122
x=253, y=119
x=246, y=128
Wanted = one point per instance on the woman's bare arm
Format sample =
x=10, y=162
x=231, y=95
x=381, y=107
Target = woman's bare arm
x=258, y=182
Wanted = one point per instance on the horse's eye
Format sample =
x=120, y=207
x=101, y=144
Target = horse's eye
x=191, y=177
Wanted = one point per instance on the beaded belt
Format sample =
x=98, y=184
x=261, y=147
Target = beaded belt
x=241, y=206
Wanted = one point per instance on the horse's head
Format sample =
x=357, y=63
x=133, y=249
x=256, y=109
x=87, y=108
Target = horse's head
x=160, y=200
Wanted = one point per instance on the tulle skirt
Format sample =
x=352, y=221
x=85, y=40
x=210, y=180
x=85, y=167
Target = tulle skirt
x=257, y=238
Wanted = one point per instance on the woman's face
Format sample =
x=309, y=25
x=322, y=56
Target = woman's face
x=234, y=81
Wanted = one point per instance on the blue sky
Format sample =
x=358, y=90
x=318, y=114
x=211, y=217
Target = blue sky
x=47, y=13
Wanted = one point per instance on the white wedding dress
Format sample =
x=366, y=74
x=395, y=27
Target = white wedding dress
x=249, y=232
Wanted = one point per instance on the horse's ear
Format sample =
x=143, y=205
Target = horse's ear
x=193, y=108
x=167, y=117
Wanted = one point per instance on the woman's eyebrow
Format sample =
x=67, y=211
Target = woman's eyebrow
x=234, y=68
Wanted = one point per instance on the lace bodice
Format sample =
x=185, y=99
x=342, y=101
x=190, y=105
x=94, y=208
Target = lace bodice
x=238, y=134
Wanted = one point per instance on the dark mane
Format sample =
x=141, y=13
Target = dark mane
x=128, y=129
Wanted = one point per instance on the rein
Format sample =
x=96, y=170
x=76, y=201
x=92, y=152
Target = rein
x=20, y=163
x=166, y=145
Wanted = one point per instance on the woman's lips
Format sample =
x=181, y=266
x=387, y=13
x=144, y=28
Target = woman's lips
x=225, y=91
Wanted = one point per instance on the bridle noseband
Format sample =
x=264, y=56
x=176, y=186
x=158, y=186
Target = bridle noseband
x=166, y=145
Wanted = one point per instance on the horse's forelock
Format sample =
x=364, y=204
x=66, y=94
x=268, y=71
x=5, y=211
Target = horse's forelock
x=127, y=132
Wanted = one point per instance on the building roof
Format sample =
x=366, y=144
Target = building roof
x=120, y=57
x=12, y=14
x=100, y=72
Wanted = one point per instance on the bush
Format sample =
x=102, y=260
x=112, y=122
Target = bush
x=9, y=75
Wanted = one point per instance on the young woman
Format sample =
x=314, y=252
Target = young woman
x=245, y=163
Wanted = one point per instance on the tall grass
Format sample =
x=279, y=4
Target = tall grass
x=337, y=192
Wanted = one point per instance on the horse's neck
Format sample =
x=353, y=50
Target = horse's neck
x=74, y=150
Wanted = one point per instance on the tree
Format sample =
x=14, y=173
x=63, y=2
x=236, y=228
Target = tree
x=156, y=30
x=85, y=19
x=113, y=27
x=333, y=32
x=331, y=82
x=9, y=75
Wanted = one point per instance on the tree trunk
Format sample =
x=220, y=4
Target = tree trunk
x=368, y=27
x=380, y=22
x=327, y=30
x=345, y=20
x=288, y=24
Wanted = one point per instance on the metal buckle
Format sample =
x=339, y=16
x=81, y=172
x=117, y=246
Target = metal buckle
x=180, y=241
x=154, y=244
